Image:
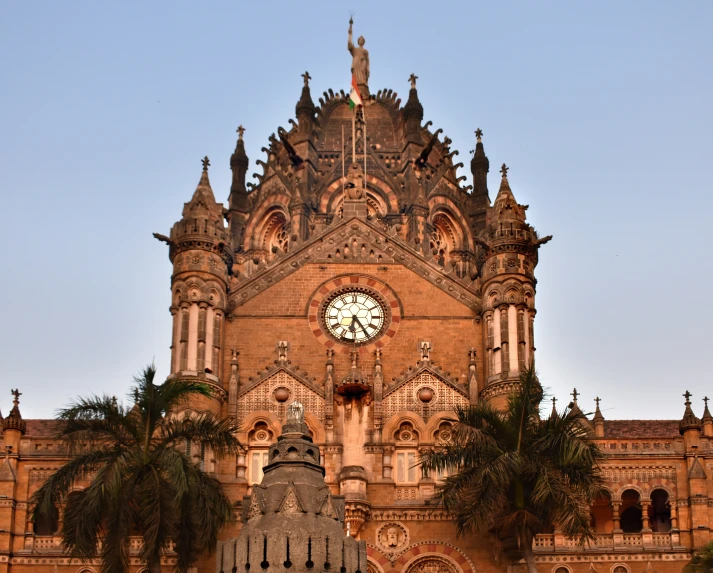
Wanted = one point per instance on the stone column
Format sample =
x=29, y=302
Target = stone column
x=175, y=333
x=489, y=340
x=521, y=343
x=615, y=515
x=674, y=515
x=645, y=515
x=504, y=342
x=388, y=462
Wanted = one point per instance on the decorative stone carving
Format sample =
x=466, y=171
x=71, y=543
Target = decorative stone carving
x=269, y=395
x=432, y=564
x=425, y=393
x=392, y=538
x=255, y=509
x=291, y=504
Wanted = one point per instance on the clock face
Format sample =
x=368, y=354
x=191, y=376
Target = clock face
x=354, y=317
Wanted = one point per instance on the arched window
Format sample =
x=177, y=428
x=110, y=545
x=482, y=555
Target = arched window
x=631, y=518
x=603, y=515
x=259, y=440
x=275, y=235
x=406, y=454
x=442, y=240
x=660, y=511
x=46, y=525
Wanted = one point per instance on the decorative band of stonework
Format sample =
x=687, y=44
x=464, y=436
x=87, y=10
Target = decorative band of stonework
x=498, y=388
x=364, y=283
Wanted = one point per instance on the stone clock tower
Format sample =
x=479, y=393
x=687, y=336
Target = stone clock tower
x=341, y=306
x=359, y=277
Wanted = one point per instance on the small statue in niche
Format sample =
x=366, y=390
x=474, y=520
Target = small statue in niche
x=355, y=183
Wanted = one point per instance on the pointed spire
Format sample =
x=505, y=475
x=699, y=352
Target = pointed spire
x=689, y=420
x=14, y=420
x=239, y=166
x=413, y=113
x=506, y=207
x=706, y=412
x=598, y=413
x=305, y=105
x=554, y=407
x=479, y=167
x=203, y=205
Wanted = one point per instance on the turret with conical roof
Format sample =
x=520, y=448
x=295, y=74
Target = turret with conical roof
x=238, y=203
x=305, y=111
x=291, y=520
x=200, y=248
x=707, y=420
x=479, y=167
x=506, y=264
x=13, y=426
x=598, y=420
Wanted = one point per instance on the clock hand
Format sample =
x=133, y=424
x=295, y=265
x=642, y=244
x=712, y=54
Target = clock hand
x=359, y=323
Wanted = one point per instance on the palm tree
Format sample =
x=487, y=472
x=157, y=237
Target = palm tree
x=139, y=480
x=517, y=474
x=702, y=561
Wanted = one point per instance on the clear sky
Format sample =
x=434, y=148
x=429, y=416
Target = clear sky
x=603, y=111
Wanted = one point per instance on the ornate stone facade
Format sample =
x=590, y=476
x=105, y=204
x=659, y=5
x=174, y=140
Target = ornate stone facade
x=453, y=280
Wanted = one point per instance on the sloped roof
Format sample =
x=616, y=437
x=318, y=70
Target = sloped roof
x=637, y=429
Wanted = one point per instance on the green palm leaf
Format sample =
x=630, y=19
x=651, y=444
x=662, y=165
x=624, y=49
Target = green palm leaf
x=139, y=482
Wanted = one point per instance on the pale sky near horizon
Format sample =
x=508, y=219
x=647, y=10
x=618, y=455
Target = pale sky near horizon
x=602, y=110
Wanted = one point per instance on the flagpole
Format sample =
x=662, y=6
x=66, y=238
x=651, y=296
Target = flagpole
x=354, y=135
x=363, y=115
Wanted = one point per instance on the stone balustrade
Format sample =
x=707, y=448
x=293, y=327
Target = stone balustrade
x=644, y=541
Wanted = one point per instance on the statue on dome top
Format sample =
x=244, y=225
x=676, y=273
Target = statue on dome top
x=360, y=58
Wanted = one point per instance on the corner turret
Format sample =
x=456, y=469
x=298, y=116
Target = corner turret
x=200, y=248
x=506, y=264
x=13, y=427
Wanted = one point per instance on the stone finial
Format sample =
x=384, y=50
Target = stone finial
x=574, y=395
x=424, y=348
x=306, y=77
x=471, y=355
x=554, y=406
x=240, y=131
x=706, y=412
x=14, y=420
x=479, y=135
x=504, y=171
x=689, y=420
x=412, y=78
x=598, y=413
x=206, y=163
x=282, y=348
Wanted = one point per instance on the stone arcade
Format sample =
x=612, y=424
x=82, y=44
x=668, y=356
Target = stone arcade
x=360, y=278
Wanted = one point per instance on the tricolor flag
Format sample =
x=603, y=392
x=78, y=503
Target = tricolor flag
x=354, y=97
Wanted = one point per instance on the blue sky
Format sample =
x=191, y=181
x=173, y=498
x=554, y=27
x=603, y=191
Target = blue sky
x=601, y=109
